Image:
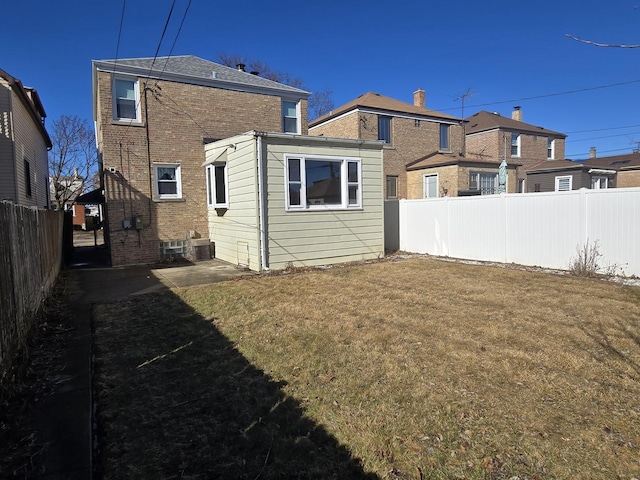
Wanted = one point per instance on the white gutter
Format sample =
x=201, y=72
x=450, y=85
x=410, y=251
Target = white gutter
x=602, y=171
x=264, y=262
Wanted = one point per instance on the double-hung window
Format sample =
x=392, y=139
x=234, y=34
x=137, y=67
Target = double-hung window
x=290, y=117
x=599, y=181
x=168, y=182
x=551, y=143
x=322, y=183
x=515, y=145
x=126, y=99
x=217, y=186
x=444, y=136
x=384, y=128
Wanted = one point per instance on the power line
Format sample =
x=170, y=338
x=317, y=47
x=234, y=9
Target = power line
x=603, y=151
x=568, y=92
x=184, y=16
x=606, y=136
x=603, y=129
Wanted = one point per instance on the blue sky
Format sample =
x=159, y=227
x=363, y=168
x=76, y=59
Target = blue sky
x=503, y=51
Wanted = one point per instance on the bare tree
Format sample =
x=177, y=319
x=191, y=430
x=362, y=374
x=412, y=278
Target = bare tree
x=73, y=159
x=319, y=102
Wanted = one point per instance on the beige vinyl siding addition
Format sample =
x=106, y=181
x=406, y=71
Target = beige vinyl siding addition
x=307, y=238
x=235, y=231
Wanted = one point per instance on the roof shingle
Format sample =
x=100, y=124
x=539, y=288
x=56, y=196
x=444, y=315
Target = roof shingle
x=483, y=120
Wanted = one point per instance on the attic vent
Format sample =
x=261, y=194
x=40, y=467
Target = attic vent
x=496, y=113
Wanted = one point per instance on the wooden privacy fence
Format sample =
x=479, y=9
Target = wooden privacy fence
x=537, y=229
x=30, y=261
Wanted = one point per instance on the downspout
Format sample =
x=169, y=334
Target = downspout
x=264, y=262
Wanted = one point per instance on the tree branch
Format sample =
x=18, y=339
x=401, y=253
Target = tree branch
x=606, y=45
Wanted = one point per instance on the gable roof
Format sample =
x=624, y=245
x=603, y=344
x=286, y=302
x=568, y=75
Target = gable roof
x=196, y=70
x=628, y=161
x=437, y=159
x=31, y=100
x=483, y=121
x=383, y=104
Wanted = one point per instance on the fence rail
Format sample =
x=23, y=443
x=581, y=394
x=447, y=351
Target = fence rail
x=537, y=229
x=30, y=261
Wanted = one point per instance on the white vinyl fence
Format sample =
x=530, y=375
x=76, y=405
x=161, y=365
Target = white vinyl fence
x=537, y=229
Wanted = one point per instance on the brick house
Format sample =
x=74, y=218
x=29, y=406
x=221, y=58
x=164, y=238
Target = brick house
x=491, y=136
x=152, y=120
x=410, y=131
x=24, y=145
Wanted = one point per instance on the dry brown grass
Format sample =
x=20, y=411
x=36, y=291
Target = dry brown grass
x=416, y=368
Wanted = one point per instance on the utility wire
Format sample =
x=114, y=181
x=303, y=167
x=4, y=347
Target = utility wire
x=602, y=129
x=603, y=151
x=597, y=138
x=568, y=92
x=184, y=16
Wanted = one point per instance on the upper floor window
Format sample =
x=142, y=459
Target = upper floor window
x=315, y=183
x=217, y=186
x=551, y=143
x=384, y=128
x=515, y=144
x=290, y=117
x=168, y=182
x=126, y=99
x=486, y=182
x=564, y=183
x=444, y=136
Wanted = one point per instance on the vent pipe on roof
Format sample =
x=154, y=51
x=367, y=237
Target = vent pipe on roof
x=516, y=114
x=592, y=152
x=240, y=67
x=255, y=72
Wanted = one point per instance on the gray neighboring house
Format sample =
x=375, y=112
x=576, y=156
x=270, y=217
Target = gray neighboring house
x=627, y=167
x=24, y=145
x=565, y=175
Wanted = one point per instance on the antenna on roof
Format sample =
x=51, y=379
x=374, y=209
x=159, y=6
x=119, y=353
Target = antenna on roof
x=462, y=98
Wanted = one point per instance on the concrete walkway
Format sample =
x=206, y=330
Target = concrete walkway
x=64, y=420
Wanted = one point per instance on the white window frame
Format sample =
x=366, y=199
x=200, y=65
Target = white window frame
x=114, y=100
x=477, y=175
x=178, y=180
x=551, y=148
x=563, y=178
x=424, y=185
x=344, y=183
x=298, y=116
x=212, y=185
x=597, y=180
x=517, y=144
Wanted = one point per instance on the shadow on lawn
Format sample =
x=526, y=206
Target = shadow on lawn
x=177, y=400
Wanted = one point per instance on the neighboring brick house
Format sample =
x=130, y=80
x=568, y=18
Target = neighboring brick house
x=24, y=145
x=410, y=132
x=152, y=120
x=450, y=175
x=491, y=136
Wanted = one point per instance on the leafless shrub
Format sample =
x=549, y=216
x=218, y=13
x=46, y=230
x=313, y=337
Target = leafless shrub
x=588, y=262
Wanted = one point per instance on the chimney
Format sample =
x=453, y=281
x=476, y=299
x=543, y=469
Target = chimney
x=420, y=98
x=240, y=66
x=516, y=114
x=592, y=152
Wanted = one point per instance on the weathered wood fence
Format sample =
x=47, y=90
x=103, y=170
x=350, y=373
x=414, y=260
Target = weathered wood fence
x=30, y=261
